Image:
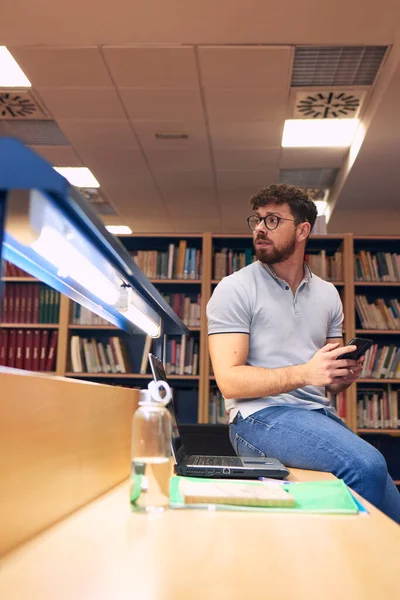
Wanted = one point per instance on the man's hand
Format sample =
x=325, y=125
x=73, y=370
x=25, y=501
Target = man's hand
x=354, y=373
x=324, y=369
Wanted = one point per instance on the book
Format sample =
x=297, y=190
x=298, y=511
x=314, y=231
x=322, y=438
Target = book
x=237, y=493
x=320, y=497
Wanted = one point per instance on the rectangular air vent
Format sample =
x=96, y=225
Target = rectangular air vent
x=309, y=178
x=34, y=133
x=101, y=206
x=171, y=136
x=316, y=66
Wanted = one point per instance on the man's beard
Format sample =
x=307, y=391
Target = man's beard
x=270, y=255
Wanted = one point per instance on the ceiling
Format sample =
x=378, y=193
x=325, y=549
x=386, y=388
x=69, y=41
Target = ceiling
x=220, y=72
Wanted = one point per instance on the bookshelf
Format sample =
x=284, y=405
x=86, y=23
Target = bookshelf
x=377, y=258
x=322, y=254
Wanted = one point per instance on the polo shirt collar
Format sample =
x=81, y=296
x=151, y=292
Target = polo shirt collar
x=307, y=272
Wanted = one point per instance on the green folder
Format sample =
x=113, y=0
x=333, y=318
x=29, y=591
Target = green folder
x=326, y=497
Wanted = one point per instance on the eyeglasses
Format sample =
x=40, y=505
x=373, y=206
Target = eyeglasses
x=271, y=222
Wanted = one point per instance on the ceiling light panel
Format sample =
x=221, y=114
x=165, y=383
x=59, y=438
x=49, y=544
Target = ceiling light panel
x=11, y=74
x=78, y=176
x=319, y=133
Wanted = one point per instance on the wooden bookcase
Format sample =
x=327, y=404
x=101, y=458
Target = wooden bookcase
x=209, y=243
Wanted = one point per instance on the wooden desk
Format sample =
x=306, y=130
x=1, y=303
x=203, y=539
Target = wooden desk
x=104, y=552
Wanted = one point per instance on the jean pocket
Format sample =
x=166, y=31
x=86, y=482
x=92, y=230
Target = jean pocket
x=244, y=448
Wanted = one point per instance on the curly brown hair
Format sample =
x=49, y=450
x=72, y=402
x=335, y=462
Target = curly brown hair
x=301, y=207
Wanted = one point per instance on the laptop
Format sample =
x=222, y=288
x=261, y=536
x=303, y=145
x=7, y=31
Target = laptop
x=214, y=466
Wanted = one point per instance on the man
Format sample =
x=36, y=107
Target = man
x=275, y=334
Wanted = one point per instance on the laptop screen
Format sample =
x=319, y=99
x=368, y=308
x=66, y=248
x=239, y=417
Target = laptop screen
x=158, y=371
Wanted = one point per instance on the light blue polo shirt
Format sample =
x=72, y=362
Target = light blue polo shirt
x=285, y=329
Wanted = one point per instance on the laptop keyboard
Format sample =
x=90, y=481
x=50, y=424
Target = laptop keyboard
x=217, y=461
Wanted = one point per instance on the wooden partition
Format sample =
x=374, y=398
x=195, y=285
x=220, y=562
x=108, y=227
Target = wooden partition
x=62, y=443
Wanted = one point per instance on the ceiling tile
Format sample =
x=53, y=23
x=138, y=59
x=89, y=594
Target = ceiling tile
x=308, y=158
x=236, y=202
x=98, y=133
x=59, y=156
x=63, y=67
x=246, y=67
x=131, y=203
x=184, y=181
x=246, y=158
x=198, y=198
x=237, y=180
x=162, y=104
x=193, y=211
x=246, y=105
x=146, y=131
x=82, y=103
x=246, y=134
x=152, y=67
x=181, y=160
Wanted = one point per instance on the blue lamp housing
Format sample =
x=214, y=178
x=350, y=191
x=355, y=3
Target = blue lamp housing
x=50, y=231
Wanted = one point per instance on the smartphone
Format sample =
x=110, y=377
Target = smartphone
x=362, y=346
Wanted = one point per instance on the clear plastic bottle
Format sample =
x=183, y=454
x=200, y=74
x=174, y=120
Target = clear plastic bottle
x=151, y=449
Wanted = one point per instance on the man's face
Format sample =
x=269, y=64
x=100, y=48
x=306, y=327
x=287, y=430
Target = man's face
x=275, y=246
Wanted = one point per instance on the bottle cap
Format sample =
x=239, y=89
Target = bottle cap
x=152, y=395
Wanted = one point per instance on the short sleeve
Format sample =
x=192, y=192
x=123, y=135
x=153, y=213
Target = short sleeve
x=228, y=310
x=335, y=327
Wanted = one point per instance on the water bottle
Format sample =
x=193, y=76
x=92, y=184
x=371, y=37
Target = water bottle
x=151, y=449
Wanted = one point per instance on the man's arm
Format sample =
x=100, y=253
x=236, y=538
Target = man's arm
x=345, y=381
x=237, y=380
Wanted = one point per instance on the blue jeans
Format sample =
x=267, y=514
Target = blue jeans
x=317, y=440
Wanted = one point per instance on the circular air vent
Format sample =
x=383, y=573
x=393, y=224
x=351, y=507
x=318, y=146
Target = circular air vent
x=18, y=105
x=327, y=105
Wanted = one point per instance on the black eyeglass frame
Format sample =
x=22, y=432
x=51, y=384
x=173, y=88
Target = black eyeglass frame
x=279, y=219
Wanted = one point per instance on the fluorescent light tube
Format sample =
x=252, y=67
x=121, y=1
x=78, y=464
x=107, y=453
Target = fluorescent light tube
x=119, y=229
x=78, y=176
x=53, y=247
x=11, y=74
x=319, y=133
x=132, y=306
x=141, y=320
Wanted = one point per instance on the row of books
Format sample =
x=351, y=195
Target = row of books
x=379, y=266
x=339, y=402
x=34, y=350
x=93, y=356
x=227, y=261
x=378, y=409
x=379, y=313
x=80, y=315
x=326, y=267
x=10, y=270
x=30, y=303
x=216, y=408
x=382, y=362
x=180, y=262
x=182, y=357
x=188, y=308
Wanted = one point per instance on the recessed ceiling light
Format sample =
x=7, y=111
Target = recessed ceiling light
x=11, y=74
x=119, y=229
x=79, y=176
x=319, y=133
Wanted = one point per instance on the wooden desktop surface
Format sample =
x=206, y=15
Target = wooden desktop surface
x=104, y=552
